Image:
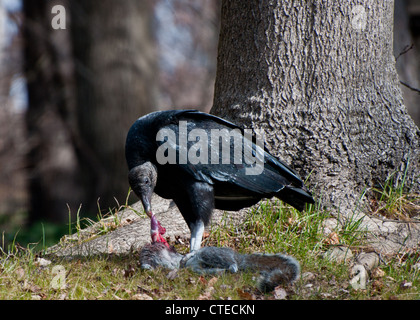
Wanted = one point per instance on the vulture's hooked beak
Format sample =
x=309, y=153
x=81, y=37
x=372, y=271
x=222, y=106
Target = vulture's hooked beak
x=146, y=200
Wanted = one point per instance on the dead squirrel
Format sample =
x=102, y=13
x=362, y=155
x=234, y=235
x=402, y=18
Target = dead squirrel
x=274, y=269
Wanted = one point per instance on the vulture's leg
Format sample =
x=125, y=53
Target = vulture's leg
x=197, y=230
x=196, y=206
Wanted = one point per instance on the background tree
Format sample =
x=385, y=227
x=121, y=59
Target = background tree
x=319, y=77
x=115, y=75
x=407, y=53
x=52, y=165
x=13, y=196
x=187, y=33
x=86, y=85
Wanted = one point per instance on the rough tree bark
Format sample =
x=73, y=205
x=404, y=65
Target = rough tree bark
x=115, y=72
x=319, y=78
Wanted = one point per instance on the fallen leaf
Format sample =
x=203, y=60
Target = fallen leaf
x=212, y=281
x=172, y=274
x=203, y=280
x=332, y=281
x=378, y=273
x=406, y=285
x=308, y=276
x=332, y=239
x=115, y=272
x=279, y=293
x=206, y=295
x=141, y=290
x=141, y=296
x=41, y=262
x=20, y=274
x=245, y=295
x=30, y=287
x=377, y=285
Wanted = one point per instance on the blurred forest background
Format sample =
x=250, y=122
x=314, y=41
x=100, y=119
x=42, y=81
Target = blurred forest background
x=69, y=96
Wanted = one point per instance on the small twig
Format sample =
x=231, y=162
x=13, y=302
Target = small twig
x=410, y=87
x=405, y=50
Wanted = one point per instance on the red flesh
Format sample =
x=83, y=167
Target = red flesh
x=157, y=231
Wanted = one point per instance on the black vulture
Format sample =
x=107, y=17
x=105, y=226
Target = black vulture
x=204, y=162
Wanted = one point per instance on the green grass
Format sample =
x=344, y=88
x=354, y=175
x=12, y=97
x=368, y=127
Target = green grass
x=395, y=200
x=273, y=227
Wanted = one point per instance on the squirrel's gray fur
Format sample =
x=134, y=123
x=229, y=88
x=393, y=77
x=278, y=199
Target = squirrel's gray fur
x=275, y=269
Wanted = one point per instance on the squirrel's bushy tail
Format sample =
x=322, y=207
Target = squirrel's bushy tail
x=275, y=269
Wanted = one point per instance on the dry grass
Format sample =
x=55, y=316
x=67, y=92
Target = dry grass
x=274, y=227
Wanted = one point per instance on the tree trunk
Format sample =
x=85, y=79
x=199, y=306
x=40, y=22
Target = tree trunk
x=77, y=121
x=408, y=63
x=116, y=67
x=319, y=78
x=51, y=159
